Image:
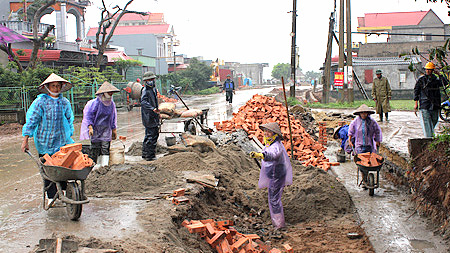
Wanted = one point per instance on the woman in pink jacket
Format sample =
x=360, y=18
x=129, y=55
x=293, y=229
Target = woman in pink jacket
x=276, y=170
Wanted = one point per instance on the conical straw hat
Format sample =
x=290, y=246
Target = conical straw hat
x=55, y=78
x=363, y=108
x=273, y=126
x=106, y=87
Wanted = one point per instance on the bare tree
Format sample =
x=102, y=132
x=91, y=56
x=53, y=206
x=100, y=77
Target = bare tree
x=11, y=56
x=107, y=25
x=37, y=41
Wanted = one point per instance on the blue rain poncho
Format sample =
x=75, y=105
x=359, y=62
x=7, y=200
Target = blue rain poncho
x=276, y=172
x=102, y=118
x=50, y=122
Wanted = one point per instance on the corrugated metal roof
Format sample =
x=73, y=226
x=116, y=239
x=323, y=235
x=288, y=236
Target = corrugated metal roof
x=114, y=55
x=43, y=55
x=140, y=29
x=391, y=19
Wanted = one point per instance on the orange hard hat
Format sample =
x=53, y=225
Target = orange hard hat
x=430, y=65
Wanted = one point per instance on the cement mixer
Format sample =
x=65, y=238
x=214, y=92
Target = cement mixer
x=133, y=90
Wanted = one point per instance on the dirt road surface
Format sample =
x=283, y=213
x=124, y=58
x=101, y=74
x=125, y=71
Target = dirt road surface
x=23, y=222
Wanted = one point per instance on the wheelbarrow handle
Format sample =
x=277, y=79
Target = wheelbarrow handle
x=37, y=160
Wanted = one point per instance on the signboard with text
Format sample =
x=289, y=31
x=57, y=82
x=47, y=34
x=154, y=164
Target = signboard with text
x=338, y=80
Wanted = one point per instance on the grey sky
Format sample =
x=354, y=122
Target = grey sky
x=252, y=31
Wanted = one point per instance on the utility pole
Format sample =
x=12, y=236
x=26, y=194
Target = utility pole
x=341, y=41
x=174, y=63
x=327, y=69
x=351, y=94
x=293, y=51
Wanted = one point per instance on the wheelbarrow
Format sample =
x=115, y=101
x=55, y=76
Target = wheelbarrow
x=372, y=182
x=73, y=197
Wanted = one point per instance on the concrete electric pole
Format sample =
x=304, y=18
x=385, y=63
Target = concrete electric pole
x=341, y=40
x=293, y=46
x=349, y=53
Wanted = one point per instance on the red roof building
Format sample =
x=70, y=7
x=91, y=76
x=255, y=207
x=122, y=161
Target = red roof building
x=416, y=25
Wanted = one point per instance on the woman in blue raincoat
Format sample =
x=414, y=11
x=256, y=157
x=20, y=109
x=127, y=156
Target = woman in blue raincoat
x=49, y=121
x=100, y=123
x=276, y=171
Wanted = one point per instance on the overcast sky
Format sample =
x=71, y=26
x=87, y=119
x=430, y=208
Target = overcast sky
x=258, y=31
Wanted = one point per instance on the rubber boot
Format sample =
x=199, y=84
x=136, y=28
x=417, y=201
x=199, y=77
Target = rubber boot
x=387, y=119
x=381, y=117
x=104, y=160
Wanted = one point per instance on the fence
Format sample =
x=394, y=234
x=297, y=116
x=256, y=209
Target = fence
x=15, y=101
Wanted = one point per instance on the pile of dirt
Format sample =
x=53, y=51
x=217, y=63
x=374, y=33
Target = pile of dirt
x=136, y=149
x=314, y=197
x=126, y=178
x=429, y=179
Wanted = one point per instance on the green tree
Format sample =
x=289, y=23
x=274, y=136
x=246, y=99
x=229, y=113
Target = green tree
x=192, y=79
x=198, y=74
x=124, y=65
x=312, y=75
x=281, y=70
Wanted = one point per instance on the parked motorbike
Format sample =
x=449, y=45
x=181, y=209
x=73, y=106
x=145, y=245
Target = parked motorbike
x=445, y=111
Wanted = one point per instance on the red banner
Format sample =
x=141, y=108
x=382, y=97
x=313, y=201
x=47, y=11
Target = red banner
x=338, y=79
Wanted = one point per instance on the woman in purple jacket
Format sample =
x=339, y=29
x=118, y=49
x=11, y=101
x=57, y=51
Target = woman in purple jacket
x=100, y=123
x=366, y=131
x=276, y=171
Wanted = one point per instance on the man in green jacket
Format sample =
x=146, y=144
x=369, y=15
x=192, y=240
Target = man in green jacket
x=381, y=94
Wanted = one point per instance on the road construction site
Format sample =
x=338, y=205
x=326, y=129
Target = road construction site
x=133, y=209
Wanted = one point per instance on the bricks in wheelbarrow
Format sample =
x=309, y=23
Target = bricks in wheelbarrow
x=81, y=162
x=69, y=159
x=71, y=147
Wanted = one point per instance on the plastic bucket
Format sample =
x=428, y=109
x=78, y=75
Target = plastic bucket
x=171, y=140
x=117, y=153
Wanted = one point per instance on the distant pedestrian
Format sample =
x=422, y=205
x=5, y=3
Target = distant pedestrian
x=427, y=92
x=100, y=123
x=50, y=122
x=367, y=133
x=381, y=94
x=228, y=87
x=276, y=171
x=150, y=116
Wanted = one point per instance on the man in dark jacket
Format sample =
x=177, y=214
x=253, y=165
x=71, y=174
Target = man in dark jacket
x=150, y=116
x=228, y=87
x=427, y=93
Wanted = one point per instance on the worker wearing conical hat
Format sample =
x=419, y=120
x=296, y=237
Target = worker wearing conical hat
x=49, y=121
x=100, y=123
x=367, y=133
x=276, y=170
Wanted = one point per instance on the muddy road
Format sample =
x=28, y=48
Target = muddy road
x=23, y=221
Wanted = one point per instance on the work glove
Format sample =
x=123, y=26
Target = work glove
x=256, y=155
x=91, y=131
x=114, y=134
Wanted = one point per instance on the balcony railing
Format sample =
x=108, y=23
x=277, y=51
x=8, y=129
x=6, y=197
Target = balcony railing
x=23, y=27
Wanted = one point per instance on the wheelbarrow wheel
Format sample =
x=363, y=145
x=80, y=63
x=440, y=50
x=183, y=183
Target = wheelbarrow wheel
x=371, y=183
x=73, y=192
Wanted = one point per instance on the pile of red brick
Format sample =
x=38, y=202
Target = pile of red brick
x=70, y=157
x=225, y=239
x=260, y=110
x=167, y=99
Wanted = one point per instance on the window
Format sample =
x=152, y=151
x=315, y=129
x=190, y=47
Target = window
x=139, y=51
x=428, y=36
x=368, y=76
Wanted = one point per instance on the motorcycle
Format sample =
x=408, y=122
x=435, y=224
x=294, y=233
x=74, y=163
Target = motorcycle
x=445, y=111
